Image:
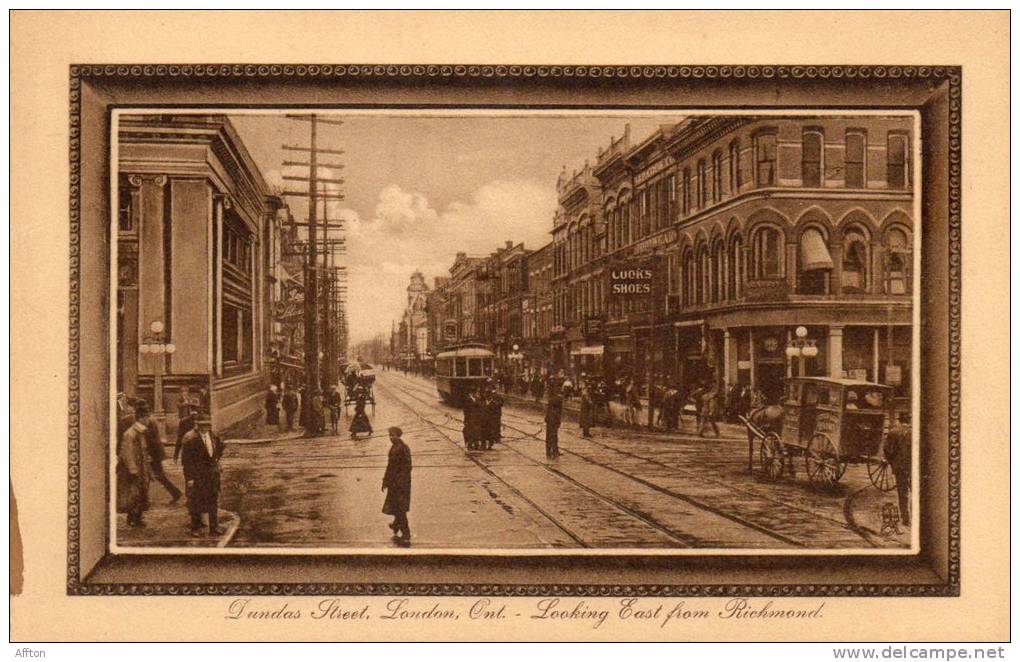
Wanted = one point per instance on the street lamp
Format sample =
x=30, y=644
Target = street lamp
x=155, y=344
x=800, y=348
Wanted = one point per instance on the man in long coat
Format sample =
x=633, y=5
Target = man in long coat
x=200, y=456
x=553, y=418
x=396, y=483
x=586, y=419
x=133, y=468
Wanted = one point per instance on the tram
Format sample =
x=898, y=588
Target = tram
x=462, y=369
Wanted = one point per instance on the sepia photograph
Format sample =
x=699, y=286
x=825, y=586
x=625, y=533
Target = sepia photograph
x=546, y=326
x=496, y=331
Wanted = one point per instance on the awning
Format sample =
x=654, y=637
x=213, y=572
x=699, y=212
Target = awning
x=814, y=254
x=592, y=350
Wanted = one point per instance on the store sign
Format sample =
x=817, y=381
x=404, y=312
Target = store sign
x=450, y=330
x=631, y=279
x=592, y=327
x=893, y=375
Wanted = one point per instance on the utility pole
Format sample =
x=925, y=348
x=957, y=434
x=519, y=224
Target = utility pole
x=313, y=195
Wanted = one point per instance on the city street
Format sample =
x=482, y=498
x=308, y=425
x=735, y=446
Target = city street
x=621, y=489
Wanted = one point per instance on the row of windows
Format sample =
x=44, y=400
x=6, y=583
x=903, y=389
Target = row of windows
x=719, y=273
x=656, y=205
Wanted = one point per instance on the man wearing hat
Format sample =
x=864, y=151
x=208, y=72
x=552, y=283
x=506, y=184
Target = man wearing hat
x=200, y=456
x=133, y=468
x=397, y=485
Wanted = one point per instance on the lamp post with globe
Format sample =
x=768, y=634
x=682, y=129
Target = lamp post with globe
x=155, y=344
x=801, y=348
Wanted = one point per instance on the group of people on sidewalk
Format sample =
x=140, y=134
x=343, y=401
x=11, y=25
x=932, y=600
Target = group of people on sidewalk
x=140, y=456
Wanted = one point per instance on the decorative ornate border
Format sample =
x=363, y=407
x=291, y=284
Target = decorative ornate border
x=284, y=72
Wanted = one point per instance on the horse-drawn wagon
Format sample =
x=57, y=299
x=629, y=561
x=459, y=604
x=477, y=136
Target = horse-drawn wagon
x=830, y=423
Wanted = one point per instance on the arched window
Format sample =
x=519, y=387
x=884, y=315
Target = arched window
x=899, y=261
x=686, y=199
x=735, y=167
x=855, y=260
x=811, y=158
x=734, y=268
x=717, y=178
x=702, y=185
x=814, y=262
x=768, y=253
x=689, y=278
x=704, y=275
x=718, y=271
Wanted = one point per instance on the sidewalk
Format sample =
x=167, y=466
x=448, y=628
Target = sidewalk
x=169, y=525
x=263, y=433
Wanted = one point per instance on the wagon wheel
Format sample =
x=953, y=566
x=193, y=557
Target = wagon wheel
x=823, y=466
x=772, y=457
x=881, y=474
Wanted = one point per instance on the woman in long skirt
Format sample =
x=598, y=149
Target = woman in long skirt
x=360, y=422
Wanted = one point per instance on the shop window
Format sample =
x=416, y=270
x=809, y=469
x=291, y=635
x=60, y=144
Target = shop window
x=856, y=148
x=899, y=262
x=768, y=253
x=896, y=161
x=811, y=159
x=855, y=262
x=765, y=159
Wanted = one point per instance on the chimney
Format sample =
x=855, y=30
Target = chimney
x=461, y=256
x=509, y=244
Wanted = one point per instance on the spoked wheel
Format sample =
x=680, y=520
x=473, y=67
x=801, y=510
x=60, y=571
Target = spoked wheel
x=881, y=474
x=823, y=466
x=772, y=458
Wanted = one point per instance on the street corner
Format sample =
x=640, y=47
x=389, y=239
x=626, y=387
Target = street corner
x=170, y=526
x=876, y=515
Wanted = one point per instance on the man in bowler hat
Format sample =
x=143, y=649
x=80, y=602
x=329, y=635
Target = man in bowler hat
x=200, y=457
x=397, y=485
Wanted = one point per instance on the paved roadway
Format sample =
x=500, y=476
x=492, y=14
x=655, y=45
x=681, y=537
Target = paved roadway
x=622, y=489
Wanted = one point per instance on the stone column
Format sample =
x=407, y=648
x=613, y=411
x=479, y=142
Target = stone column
x=836, y=351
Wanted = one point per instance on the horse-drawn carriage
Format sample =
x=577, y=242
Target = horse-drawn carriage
x=828, y=422
x=359, y=379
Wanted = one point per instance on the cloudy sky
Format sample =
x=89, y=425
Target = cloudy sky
x=421, y=188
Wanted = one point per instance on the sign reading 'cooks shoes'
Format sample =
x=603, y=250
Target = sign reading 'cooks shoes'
x=631, y=279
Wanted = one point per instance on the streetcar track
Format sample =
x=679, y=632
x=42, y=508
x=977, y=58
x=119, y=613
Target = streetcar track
x=681, y=538
x=573, y=536
x=696, y=502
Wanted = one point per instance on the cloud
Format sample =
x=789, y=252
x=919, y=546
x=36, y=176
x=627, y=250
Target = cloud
x=406, y=233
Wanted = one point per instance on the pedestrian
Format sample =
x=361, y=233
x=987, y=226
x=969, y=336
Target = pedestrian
x=493, y=418
x=318, y=413
x=472, y=407
x=586, y=419
x=708, y=409
x=360, y=422
x=537, y=387
x=200, y=457
x=125, y=416
x=133, y=468
x=897, y=453
x=553, y=418
x=633, y=403
x=156, y=453
x=272, y=405
x=396, y=483
x=290, y=406
x=335, y=402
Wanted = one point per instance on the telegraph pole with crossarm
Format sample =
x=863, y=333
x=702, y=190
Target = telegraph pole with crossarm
x=313, y=195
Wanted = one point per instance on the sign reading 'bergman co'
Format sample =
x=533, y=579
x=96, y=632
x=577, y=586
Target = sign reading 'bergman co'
x=631, y=279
